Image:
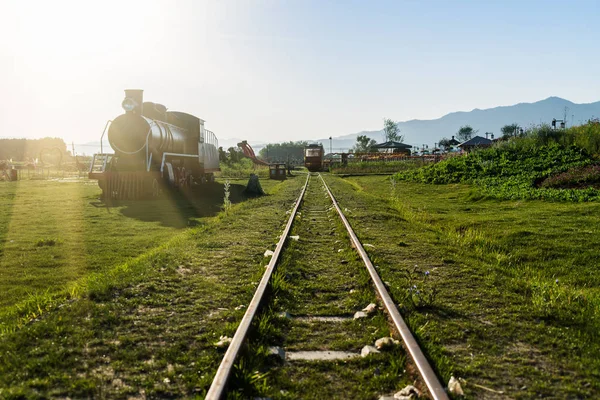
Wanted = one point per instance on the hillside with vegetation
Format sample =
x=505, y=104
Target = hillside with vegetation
x=542, y=164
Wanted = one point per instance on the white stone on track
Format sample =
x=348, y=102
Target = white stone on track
x=319, y=355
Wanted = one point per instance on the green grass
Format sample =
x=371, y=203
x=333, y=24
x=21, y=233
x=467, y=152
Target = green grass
x=514, y=287
x=55, y=233
x=511, y=170
x=376, y=167
x=147, y=327
x=242, y=170
x=517, y=300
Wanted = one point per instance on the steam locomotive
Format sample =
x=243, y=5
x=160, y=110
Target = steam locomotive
x=153, y=149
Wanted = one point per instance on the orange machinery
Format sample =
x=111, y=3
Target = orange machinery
x=249, y=152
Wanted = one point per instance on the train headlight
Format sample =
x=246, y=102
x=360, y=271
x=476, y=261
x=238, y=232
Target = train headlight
x=129, y=104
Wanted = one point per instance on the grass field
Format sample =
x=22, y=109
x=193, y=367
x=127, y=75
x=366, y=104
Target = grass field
x=54, y=233
x=146, y=326
x=503, y=294
x=509, y=290
x=242, y=169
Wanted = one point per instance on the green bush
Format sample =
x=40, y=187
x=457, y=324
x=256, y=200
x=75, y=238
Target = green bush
x=512, y=170
x=46, y=242
x=242, y=169
x=579, y=177
x=585, y=136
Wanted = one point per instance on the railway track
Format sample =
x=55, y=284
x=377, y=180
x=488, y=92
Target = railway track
x=330, y=323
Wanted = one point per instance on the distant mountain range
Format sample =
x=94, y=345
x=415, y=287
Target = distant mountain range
x=418, y=132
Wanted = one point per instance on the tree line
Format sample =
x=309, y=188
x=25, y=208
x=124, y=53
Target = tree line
x=29, y=149
x=291, y=151
x=231, y=156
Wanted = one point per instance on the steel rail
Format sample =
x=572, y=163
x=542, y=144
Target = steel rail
x=219, y=383
x=433, y=384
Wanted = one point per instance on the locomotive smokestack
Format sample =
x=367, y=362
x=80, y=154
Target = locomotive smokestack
x=134, y=100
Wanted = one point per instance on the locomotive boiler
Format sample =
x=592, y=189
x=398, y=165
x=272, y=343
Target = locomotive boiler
x=153, y=148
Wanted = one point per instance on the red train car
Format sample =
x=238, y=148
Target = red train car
x=313, y=157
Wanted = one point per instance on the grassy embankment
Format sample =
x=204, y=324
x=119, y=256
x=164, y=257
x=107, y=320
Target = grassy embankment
x=523, y=168
x=147, y=326
x=511, y=301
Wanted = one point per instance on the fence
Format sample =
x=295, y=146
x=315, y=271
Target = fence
x=386, y=157
x=43, y=172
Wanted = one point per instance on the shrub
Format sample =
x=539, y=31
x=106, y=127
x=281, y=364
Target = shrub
x=579, y=177
x=585, y=136
x=242, y=169
x=512, y=170
x=46, y=242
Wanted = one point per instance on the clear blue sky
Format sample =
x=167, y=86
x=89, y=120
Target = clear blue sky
x=287, y=70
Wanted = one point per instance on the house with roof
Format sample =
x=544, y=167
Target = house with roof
x=393, y=147
x=447, y=145
x=453, y=142
x=476, y=142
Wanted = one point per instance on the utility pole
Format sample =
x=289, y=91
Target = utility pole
x=330, y=144
x=73, y=149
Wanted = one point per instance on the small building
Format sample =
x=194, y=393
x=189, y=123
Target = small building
x=453, y=142
x=476, y=142
x=395, y=147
